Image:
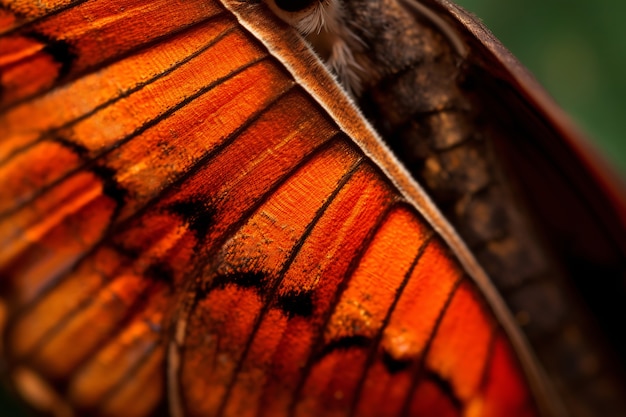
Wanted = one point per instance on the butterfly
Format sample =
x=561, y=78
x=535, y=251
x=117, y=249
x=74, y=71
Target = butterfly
x=197, y=220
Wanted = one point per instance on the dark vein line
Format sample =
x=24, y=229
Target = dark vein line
x=271, y=295
x=49, y=13
x=115, y=58
x=218, y=242
x=191, y=278
x=136, y=367
x=318, y=344
x=138, y=131
x=484, y=378
x=417, y=371
x=131, y=311
x=373, y=350
x=53, y=132
x=233, y=227
x=114, y=228
x=446, y=388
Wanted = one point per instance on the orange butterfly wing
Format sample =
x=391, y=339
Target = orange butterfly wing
x=183, y=223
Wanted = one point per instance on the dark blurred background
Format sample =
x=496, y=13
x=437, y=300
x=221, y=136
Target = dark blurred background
x=9, y=407
x=577, y=50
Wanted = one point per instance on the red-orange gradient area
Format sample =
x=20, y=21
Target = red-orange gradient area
x=460, y=349
x=7, y=19
x=205, y=206
x=284, y=341
x=251, y=265
x=471, y=362
x=358, y=320
x=504, y=392
x=411, y=326
x=431, y=399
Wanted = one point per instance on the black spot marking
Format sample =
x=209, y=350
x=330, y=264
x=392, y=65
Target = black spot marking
x=110, y=185
x=345, y=343
x=161, y=272
x=446, y=388
x=394, y=365
x=198, y=214
x=291, y=304
x=61, y=51
x=130, y=253
x=296, y=303
x=255, y=279
x=79, y=150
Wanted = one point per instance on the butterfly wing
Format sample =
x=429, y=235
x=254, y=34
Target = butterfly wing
x=195, y=218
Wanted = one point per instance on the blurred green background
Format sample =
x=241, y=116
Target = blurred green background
x=577, y=50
